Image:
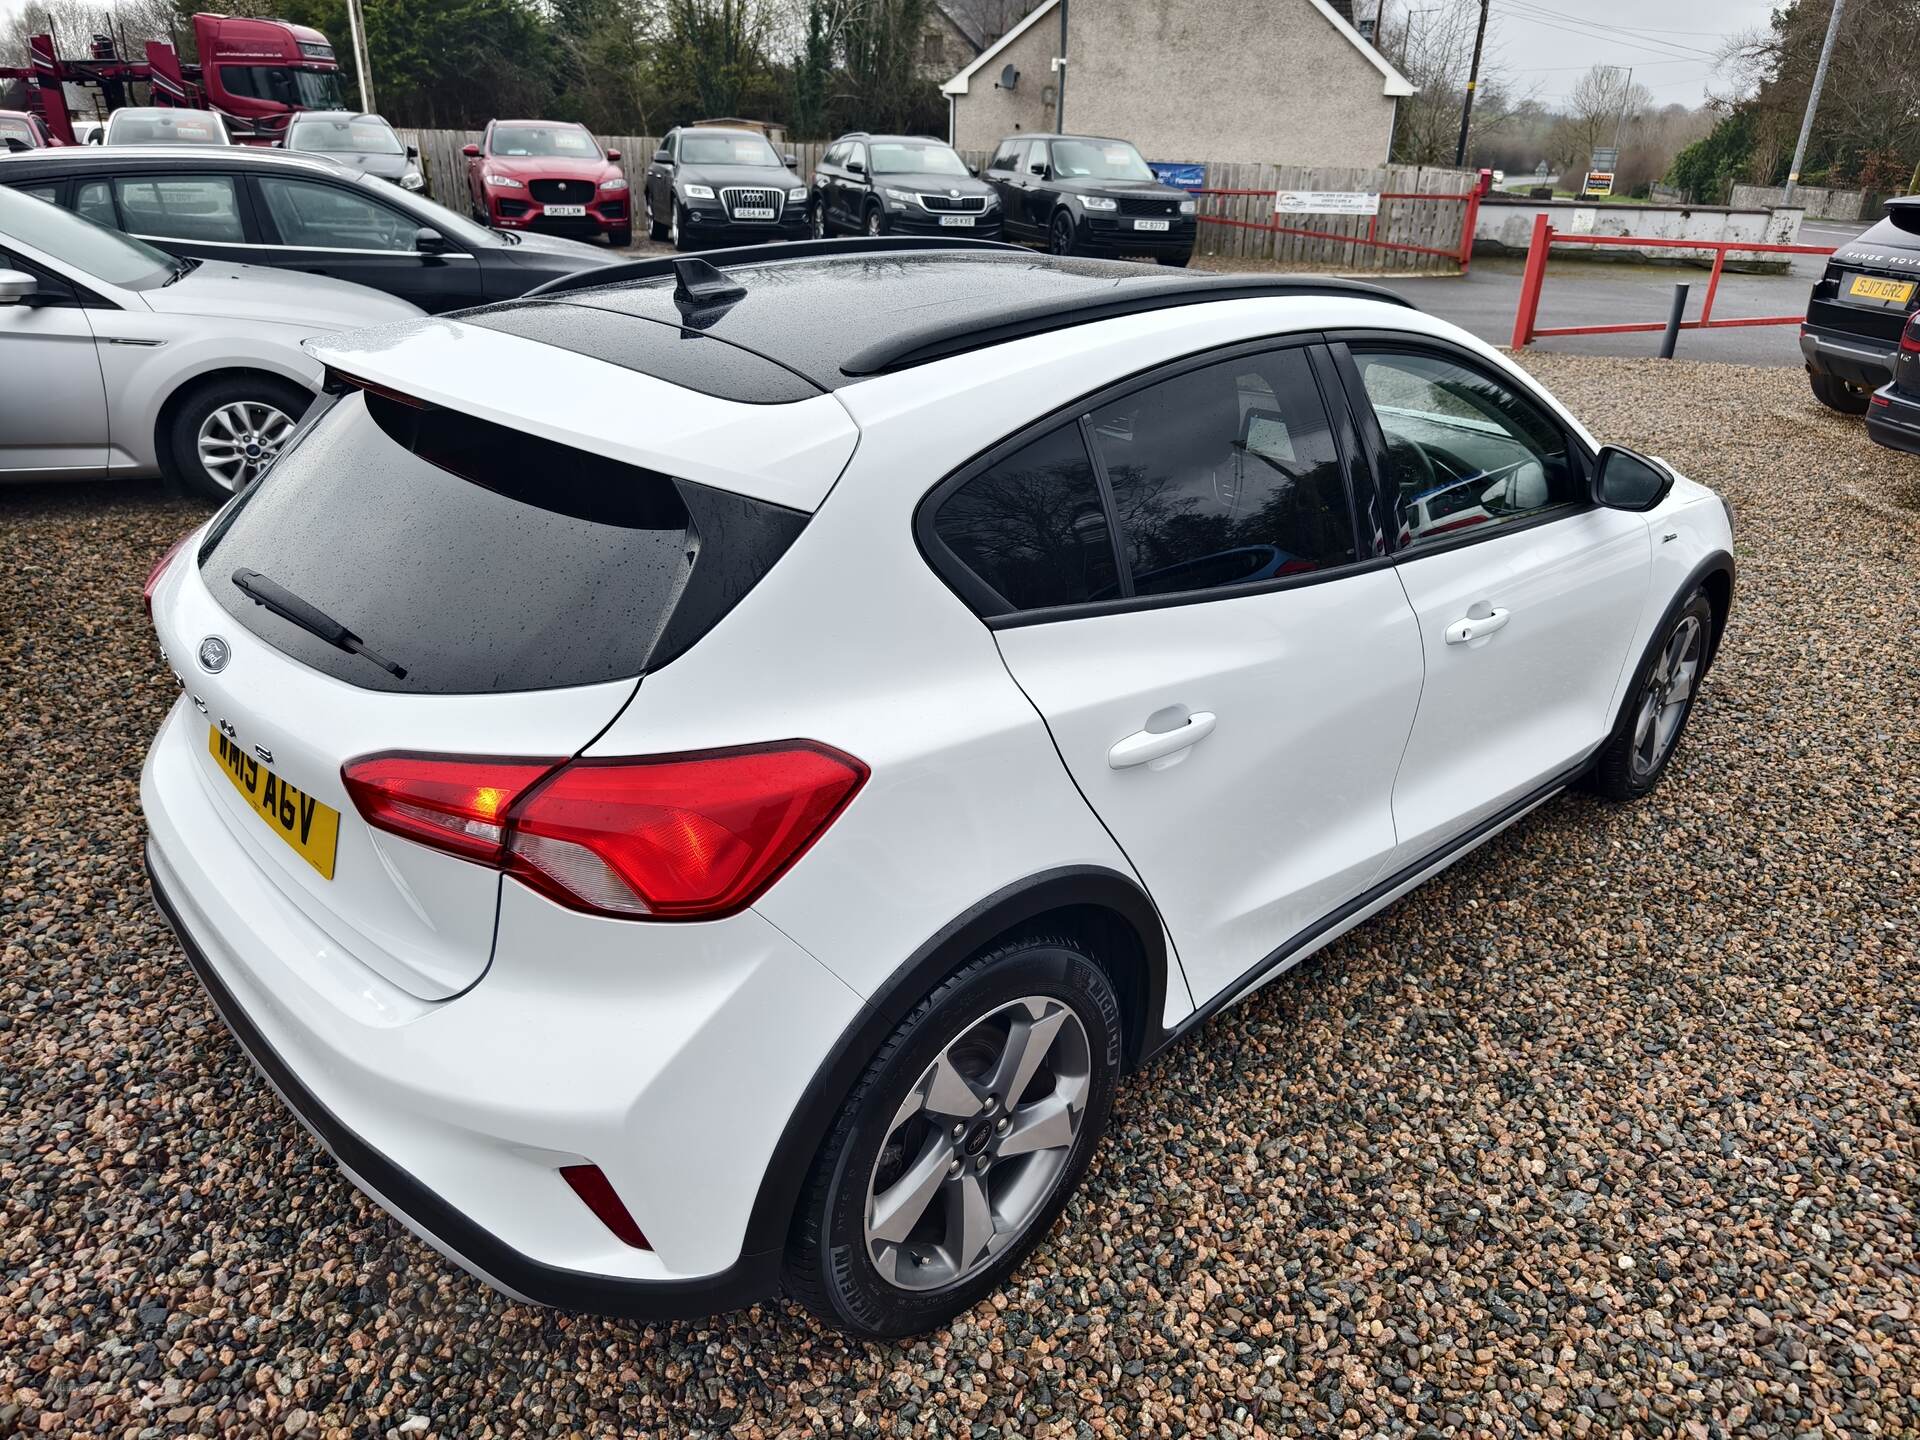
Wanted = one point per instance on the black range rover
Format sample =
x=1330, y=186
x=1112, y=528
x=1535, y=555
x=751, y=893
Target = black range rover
x=1857, y=309
x=1084, y=195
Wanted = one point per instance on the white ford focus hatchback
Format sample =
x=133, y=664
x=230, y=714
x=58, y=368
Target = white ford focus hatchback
x=699, y=787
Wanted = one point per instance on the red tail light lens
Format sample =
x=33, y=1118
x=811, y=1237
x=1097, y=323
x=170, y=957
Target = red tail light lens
x=1910, y=334
x=457, y=805
x=675, y=837
x=159, y=569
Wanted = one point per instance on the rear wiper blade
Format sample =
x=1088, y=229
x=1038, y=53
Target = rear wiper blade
x=315, y=621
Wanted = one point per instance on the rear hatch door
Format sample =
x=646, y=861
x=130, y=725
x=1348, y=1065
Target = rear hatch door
x=504, y=593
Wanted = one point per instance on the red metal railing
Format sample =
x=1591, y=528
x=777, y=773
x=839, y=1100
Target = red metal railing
x=1545, y=237
x=1461, y=254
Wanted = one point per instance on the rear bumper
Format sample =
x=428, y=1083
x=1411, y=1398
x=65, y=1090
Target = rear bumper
x=442, y=1224
x=1893, y=420
x=669, y=1056
x=1853, y=358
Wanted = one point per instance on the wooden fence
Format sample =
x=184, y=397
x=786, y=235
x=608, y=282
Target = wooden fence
x=1434, y=224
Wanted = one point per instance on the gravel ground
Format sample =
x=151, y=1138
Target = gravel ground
x=1615, y=1127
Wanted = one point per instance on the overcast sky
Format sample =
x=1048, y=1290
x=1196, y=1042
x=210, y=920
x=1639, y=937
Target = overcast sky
x=1548, y=43
x=1669, y=43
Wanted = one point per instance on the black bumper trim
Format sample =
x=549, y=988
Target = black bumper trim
x=751, y=1278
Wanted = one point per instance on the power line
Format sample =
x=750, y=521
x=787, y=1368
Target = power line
x=1588, y=30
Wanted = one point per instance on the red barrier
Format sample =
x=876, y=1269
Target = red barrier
x=1545, y=237
x=1462, y=254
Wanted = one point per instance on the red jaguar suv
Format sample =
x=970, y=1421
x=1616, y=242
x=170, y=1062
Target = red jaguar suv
x=548, y=175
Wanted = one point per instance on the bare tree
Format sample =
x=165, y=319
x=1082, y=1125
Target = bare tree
x=1432, y=44
x=1604, y=104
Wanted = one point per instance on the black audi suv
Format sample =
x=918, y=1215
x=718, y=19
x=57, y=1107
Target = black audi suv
x=1856, y=312
x=1084, y=195
x=900, y=184
x=708, y=184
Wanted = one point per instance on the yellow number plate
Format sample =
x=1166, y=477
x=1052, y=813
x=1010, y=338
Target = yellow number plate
x=1896, y=292
x=312, y=829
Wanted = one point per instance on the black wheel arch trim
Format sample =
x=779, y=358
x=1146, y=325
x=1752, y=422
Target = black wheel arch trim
x=943, y=953
x=1717, y=562
x=751, y=1278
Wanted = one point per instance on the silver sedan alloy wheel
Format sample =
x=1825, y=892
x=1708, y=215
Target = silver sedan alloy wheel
x=977, y=1148
x=1664, y=699
x=238, y=441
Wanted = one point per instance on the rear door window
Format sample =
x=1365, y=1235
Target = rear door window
x=315, y=216
x=182, y=207
x=1226, y=475
x=481, y=559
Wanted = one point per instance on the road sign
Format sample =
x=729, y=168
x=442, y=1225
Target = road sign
x=1599, y=182
x=1605, y=157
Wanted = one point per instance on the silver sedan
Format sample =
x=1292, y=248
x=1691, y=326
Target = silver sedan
x=121, y=360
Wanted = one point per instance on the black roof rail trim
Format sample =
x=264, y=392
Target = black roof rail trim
x=662, y=266
x=942, y=339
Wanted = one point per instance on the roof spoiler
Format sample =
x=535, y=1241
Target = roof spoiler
x=1904, y=211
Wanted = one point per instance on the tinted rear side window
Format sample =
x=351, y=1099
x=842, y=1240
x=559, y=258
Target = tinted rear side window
x=1033, y=527
x=479, y=559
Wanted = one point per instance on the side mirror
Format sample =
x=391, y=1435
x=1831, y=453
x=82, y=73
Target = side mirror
x=16, y=145
x=429, y=241
x=413, y=152
x=854, y=167
x=1627, y=480
x=663, y=156
x=613, y=154
x=789, y=159
x=472, y=152
x=17, y=286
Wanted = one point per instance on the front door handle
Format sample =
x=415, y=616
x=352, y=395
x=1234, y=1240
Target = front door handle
x=1145, y=745
x=1476, y=627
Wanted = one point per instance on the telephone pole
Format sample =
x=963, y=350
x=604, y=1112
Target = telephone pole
x=1813, y=100
x=1473, y=83
x=363, y=69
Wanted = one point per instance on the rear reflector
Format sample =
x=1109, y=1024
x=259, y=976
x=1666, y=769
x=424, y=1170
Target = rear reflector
x=674, y=837
x=159, y=569
x=592, y=1186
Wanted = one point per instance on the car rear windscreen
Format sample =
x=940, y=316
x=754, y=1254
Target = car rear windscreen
x=469, y=557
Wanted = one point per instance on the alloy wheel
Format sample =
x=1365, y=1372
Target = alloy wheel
x=975, y=1150
x=873, y=222
x=817, y=222
x=1061, y=236
x=237, y=442
x=1667, y=694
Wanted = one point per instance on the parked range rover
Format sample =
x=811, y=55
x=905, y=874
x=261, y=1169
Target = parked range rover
x=362, y=143
x=1857, y=309
x=1083, y=195
x=685, y=819
x=247, y=205
x=905, y=184
x=708, y=185
x=548, y=175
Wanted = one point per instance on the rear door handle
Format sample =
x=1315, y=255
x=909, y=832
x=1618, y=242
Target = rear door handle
x=1475, y=627
x=1145, y=745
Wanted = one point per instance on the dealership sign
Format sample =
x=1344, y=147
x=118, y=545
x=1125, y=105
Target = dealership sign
x=1325, y=202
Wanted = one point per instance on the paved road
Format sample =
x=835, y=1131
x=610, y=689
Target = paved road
x=1603, y=293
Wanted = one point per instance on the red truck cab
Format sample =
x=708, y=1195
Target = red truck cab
x=264, y=70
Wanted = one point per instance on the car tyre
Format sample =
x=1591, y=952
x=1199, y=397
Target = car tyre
x=216, y=420
x=1837, y=394
x=656, y=227
x=818, y=222
x=1060, y=236
x=620, y=239
x=677, y=232
x=876, y=221
x=861, y=1257
x=1665, y=686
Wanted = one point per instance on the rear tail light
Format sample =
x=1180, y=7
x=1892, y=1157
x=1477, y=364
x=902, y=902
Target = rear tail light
x=590, y=1183
x=1910, y=334
x=159, y=569
x=674, y=837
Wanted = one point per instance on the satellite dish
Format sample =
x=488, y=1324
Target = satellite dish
x=1009, y=77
